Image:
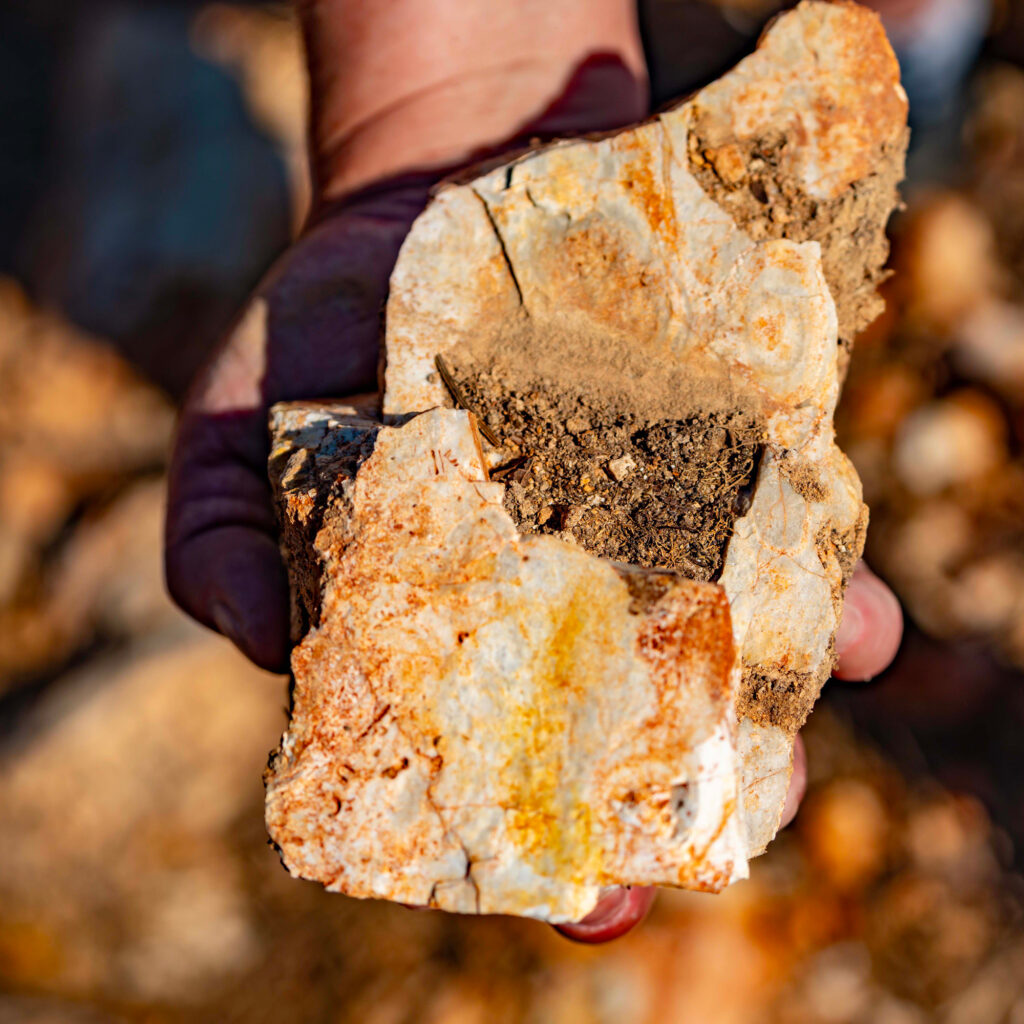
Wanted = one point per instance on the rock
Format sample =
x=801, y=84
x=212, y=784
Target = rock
x=71, y=401
x=620, y=468
x=487, y=720
x=951, y=261
x=105, y=582
x=950, y=441
x=76, y=424
x=990, y=347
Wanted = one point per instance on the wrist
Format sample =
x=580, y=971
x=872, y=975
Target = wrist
x=416, y=85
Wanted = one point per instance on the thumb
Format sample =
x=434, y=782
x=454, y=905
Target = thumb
x=310, y=331
x=236, y=585
x=222, y=562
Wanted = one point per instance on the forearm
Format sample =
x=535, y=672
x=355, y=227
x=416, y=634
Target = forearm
x=446, y=77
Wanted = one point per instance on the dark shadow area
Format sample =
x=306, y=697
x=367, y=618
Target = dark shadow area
x=138, y=196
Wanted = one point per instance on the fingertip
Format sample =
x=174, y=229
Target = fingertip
x=616, y=913
x=797, y=783
x=232, y=580
x=872, y=627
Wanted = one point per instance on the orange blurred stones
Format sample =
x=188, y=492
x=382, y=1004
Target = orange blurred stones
x=845, y=827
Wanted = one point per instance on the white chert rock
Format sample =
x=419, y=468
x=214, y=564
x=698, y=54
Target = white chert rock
x=485, y=722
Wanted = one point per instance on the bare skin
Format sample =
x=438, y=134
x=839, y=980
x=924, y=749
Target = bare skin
x=403, y=93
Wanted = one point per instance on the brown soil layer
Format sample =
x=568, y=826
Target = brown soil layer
x=779, y=696
x=746, y=178
x=661, y=494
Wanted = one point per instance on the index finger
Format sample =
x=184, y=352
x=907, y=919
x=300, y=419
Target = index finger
x=872, y=627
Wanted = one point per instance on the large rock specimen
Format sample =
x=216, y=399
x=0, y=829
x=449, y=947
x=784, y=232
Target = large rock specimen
x=566, y=600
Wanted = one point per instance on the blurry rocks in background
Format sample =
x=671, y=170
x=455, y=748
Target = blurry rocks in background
x=167, y=202
x=76, y=424
x=35, y=1010
x=81, y=597
x=72, y=400
x=119, y=796
x=136, y=879
x=933, y=415
x=915, y=885
x=949, y=264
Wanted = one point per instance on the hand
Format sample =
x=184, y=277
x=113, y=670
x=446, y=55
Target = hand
x=402, y=93
x=311, y=330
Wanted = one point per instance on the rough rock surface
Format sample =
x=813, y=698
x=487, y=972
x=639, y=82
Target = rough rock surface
x=486, y=720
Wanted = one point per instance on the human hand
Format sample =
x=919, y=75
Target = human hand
x=386, y=126
x=312, y=328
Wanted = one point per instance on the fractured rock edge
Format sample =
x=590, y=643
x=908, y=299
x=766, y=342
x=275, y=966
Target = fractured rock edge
x=615, y=265
x=485, y=722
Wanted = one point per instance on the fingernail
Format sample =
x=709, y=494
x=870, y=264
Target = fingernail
x=618, y=911
x=608, y=906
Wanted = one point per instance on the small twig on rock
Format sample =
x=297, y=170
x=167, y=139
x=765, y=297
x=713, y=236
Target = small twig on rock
x=460, y=400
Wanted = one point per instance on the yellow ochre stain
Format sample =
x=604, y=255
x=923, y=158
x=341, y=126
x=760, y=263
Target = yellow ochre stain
x=547, y=817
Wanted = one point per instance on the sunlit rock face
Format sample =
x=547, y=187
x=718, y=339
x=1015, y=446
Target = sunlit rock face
x=485, y=722
x=489, y=720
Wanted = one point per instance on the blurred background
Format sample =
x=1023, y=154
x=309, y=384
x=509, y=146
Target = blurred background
x=151, y=167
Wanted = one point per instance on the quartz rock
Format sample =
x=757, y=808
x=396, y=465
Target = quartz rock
x=493, y=720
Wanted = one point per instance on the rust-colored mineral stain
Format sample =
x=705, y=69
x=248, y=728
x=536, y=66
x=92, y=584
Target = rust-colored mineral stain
x=690, y=652
x=651, y=196
x=769, y=331
x=548, y=819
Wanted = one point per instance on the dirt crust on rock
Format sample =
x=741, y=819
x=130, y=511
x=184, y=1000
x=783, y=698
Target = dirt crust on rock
x=657, y=493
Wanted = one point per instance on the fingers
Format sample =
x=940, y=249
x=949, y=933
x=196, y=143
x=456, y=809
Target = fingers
x=221, y=558
x=231, y=579
x=872, y=626
x=866, y=642
x=797, y=783
x=615, y=914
